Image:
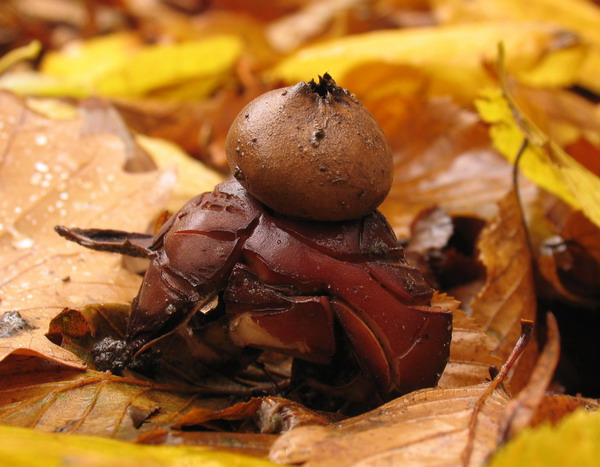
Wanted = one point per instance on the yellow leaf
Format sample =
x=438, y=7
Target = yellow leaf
x=574, y=442
x=543, y=161
x=27, y=52
x=31, y=83
x=84, y=62
x=120, y=66
x=21, y=447
x=164, y=65
x=454, y=56
x=581, y=17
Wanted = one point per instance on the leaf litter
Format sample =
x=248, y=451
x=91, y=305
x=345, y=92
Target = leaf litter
x=443, y=157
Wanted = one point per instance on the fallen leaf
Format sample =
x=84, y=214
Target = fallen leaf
x=20, y=447
x=581, y=17
x=543, y=161
x=443, y=157
x=28, y=52
x=452, y=426
x=439, y=426
x=569, y=259
x=574, y=441
x=99, y=404
x=508, y=295
x=265, y=414
x=63, y=172
x=313, y=21
x=536, y=51
x=199, y=127
x=193, y=177
x=554, y=407
x=121, y=66
x=427, y=427
x=471, y=354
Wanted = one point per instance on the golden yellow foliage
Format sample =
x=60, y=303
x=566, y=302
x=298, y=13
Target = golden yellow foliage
x=121, y=66
x=543, y=161
x=454, y=57
x=575, y=441
x=21, y=447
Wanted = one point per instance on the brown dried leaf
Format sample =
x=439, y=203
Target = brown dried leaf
x=508, y=295
x=68, y=171
x=93, y=403
x=553, y=407
x=266, y=414
x=443, y=157
x=470, y=354
x=451, y=426
x=520, y=410
x=570, y=259
x=427, y=427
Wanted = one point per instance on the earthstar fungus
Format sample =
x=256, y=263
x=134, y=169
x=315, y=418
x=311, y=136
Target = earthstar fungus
x=301, y=261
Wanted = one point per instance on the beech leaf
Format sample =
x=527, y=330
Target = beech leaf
x=121, y=66
x=508, y=295
x=452, y=56
x=21, y=447
x=575, y=441
x=578, y=16
x=68, y=171
x=471, y=353
x=95, y=403
x=543, y=161
x=443, y=157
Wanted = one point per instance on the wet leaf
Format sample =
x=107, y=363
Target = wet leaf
x=68, y=171
x=95, y=403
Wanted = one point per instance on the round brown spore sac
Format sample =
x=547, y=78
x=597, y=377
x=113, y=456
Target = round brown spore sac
x=311, y=151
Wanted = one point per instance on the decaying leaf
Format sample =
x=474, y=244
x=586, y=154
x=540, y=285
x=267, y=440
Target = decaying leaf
x=442, y=157
x=63, y=172
x=428, y=427
x=471, y=354
x=453, y=426
x=508, y=295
